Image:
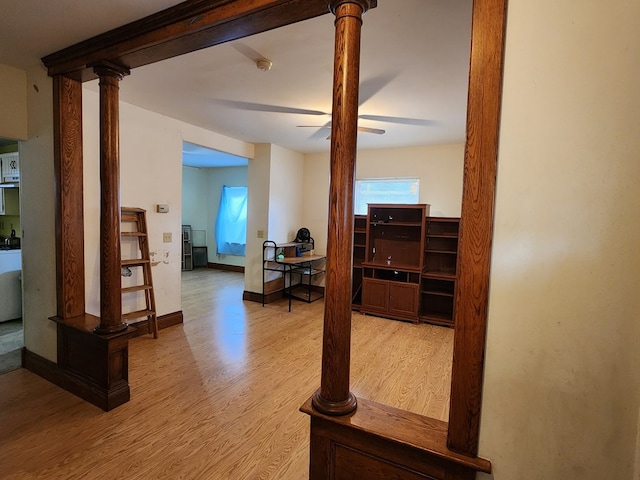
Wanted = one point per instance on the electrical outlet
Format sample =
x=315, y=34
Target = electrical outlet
x=166, y=237
x=260, y=233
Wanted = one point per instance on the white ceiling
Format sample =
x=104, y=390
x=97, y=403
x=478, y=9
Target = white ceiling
x=414, y=68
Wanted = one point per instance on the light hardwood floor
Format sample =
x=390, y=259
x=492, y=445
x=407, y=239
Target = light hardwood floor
x=217, y=397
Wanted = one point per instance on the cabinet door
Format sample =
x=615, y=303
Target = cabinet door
x=9, y=168
x=375, y=295
x=11, y=201
x=403, y=299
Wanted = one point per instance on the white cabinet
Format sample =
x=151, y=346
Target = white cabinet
x=9, y=167
x=9, y=201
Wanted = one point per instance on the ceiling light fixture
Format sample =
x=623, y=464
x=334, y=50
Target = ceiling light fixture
x=263, y=64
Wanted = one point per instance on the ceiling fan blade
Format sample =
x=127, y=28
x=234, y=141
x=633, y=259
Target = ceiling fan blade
x=402, y=120
x=260, y=107
x=319, y=130
x=360, y=129
x=377, y=131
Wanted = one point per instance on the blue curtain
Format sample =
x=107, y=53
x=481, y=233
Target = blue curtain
x=231, y=224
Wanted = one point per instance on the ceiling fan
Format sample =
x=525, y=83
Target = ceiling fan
x=367, y=89
x=377, y=131
x=260, y=107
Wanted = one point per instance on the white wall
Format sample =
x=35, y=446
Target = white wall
x=286, y=195
x=13, y=103
x=258, y=172
x=202, y=188
x=562, y=391
x=150, y=174
x=37, y=219
x=195, y=198
x=275, y=204
x=439, y=168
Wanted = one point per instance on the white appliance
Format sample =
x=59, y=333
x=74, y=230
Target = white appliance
x=10, y=285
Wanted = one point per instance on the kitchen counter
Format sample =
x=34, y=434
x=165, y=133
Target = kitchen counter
x=10, y=284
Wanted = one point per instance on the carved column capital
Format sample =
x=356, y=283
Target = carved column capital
x=106, y=68
x=364, y=4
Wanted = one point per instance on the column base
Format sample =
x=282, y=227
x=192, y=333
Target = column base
x=380, y=442
x=94, y=367
x=334, y=409
x=108, y=329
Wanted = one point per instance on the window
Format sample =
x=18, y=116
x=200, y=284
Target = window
x=385, y=190
x=231, y=224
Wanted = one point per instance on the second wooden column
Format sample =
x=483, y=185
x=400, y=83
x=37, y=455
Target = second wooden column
x=110, y=283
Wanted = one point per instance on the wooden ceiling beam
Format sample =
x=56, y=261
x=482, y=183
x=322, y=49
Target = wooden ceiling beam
x=183, y=28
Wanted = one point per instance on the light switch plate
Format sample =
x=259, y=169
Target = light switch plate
x=166, y=237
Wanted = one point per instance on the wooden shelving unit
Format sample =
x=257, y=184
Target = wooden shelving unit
x=359, y=249
x=438, y=280
x=394, y=260
x=404, y=264
x=187, y=253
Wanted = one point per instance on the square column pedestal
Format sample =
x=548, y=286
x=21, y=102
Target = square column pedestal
x=95, y=366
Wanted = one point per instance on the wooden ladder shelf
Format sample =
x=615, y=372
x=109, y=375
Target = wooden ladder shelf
x=137, y=221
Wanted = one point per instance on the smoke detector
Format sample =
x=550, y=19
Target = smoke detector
x=263, y=64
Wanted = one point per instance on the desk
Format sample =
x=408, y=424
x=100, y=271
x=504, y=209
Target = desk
x=307, y=266
x=303, y=266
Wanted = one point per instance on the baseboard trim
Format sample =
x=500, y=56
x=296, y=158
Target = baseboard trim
x=42, y=367
x=257, y=297
x=73, y=383
x=102, y=397
x=273, y=296
x=228, y=268
x=164, y=321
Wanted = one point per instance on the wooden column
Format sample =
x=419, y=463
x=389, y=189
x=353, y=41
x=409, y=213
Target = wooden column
x=334, y=397
x=110, y=285
x=67, y=138
x=92, y=353
x=476, y=225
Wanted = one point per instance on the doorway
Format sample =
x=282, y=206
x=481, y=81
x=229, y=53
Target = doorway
x=11, y=327
x=205, y=174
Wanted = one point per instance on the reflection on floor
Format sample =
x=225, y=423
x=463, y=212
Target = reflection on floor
x=218, y=396
x=11, y=343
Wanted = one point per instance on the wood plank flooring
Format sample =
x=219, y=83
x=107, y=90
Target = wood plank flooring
x=217, y=397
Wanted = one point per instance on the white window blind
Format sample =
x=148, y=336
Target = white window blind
x=385, y=190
